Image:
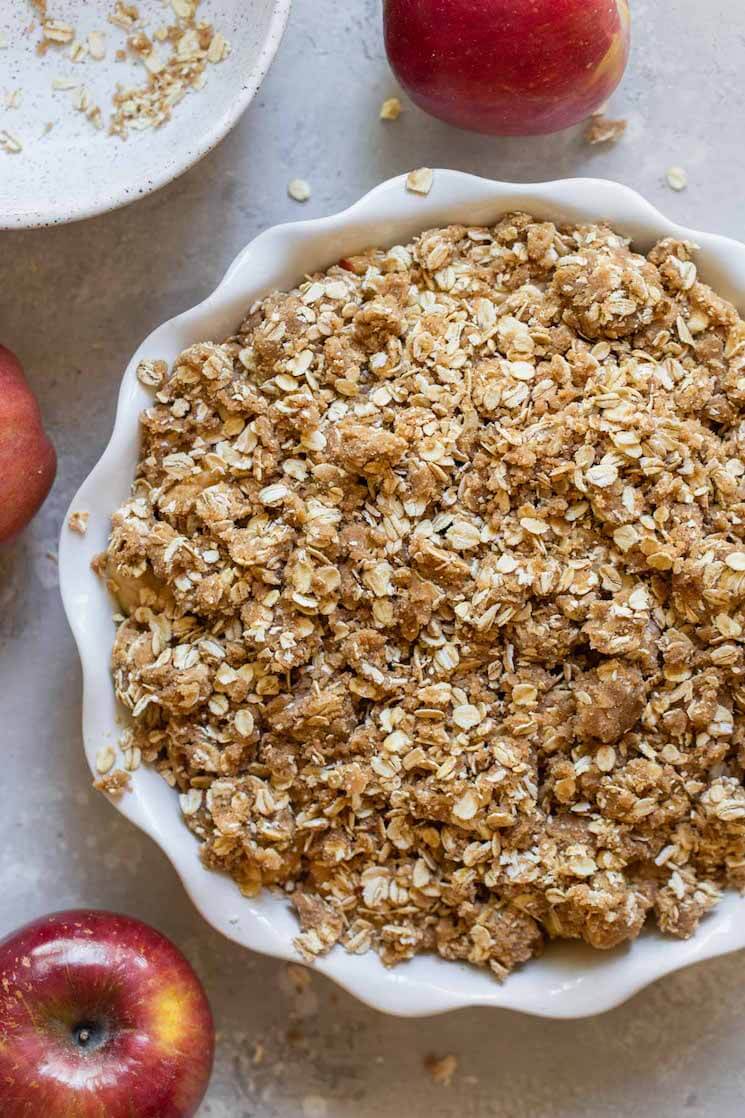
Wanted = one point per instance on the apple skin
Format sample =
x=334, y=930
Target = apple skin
x=150, y=1046
x=28, y=462
x=508, y=67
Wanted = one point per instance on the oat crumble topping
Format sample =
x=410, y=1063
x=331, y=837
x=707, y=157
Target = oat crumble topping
x=433, y=584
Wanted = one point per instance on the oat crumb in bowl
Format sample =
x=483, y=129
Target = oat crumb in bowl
x=603, y=130
x=105, y=759
x=57, y=31
x=193, y=45
x=190, y=45
x=10, y=143
x=124, y=15
x=78, y=521
x=433, y=594
x=97, y=45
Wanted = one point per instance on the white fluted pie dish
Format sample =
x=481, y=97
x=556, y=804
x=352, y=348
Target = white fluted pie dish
x=570, y=980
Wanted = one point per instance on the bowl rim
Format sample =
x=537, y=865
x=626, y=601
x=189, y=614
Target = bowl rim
x=555, y=986
x=187, y=156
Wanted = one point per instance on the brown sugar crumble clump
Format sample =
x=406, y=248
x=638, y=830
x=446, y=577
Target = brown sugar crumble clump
x=434, y=584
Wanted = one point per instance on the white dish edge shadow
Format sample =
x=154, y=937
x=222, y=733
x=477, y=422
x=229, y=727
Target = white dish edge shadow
x=570, y=980
x=31, y=217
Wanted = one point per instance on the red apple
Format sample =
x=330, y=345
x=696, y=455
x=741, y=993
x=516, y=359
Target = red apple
x=27, y=459
x=508, y=67
x=100, y=1017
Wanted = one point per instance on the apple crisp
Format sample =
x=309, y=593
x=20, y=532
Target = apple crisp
x=432, y=585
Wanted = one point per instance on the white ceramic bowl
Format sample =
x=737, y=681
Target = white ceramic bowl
x=74, y=171
x=571, y=980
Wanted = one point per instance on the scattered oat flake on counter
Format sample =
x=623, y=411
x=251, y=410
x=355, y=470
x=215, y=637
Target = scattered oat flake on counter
x=78, y=522
x=442, y=1070
x=677, y=178
x=299, y=190
x=420, y=181
x=390, y=109
x=603, y=130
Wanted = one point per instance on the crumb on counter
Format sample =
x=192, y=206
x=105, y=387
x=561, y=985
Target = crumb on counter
x=677, y=178
x=299, y=190
x=442, y=1070
x=603, y=130
x=390, y=109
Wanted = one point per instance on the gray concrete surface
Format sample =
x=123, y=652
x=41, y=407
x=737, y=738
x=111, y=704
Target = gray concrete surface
x=74, y=302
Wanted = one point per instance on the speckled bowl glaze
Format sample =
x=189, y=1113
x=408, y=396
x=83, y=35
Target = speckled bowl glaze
x=73, y=171
x=570, y=980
